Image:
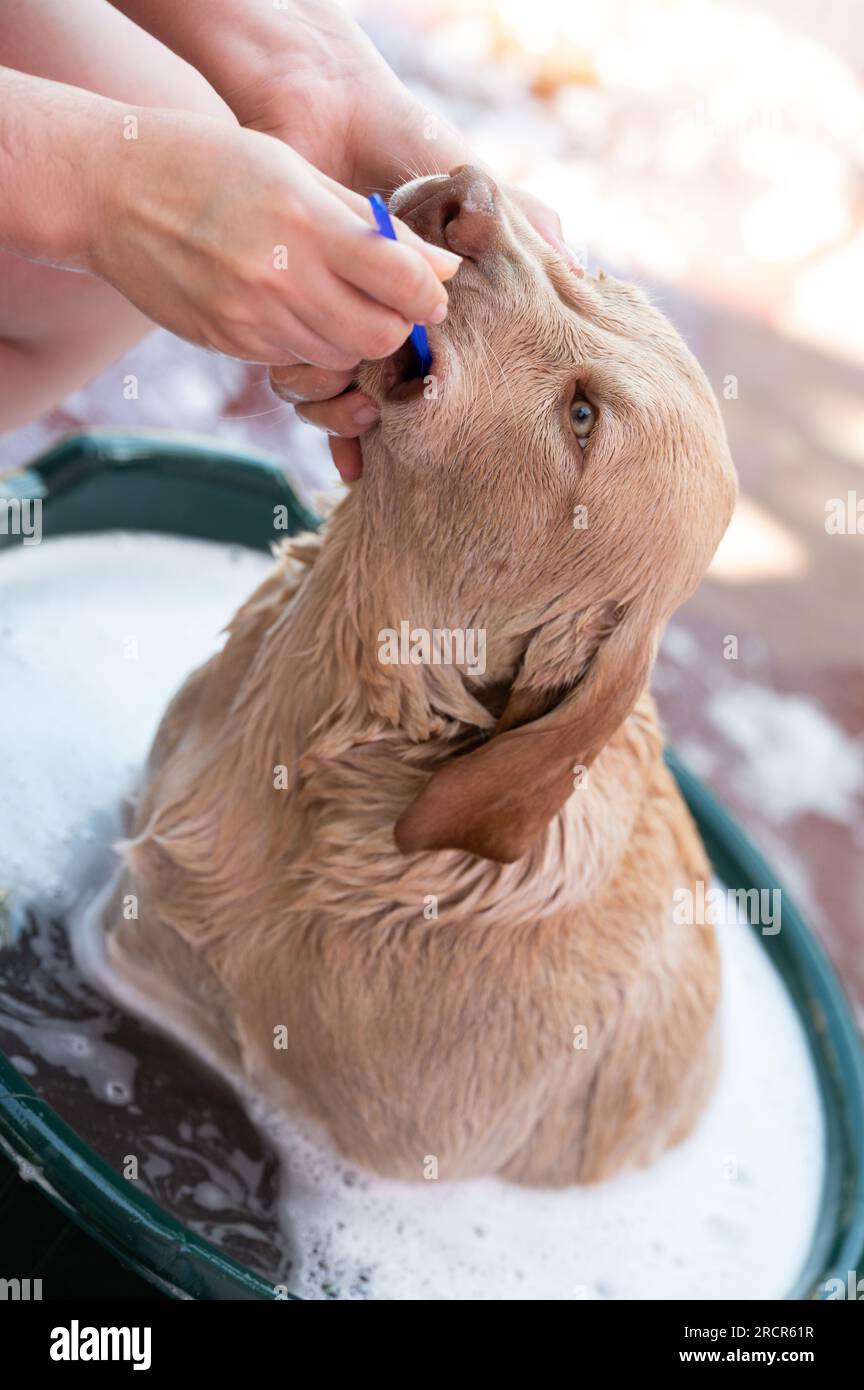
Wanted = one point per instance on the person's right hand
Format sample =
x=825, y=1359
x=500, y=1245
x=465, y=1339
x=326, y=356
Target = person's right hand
x=329, y=399
x=231, y=240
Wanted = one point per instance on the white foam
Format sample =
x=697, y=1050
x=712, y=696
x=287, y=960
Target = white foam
x=730, y=1213
x=96, y=633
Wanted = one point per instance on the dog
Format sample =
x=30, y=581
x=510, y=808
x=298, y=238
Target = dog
x=427, y=903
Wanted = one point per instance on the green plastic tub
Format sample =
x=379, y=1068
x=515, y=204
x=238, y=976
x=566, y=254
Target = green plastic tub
x=147, y=482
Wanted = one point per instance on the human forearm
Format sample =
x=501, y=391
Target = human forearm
x=272, y=263
x=240, y=44
x=302, y=72
x=233, y=43
x=53, y=139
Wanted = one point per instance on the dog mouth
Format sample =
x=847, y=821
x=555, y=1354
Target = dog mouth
x=394, y=379
x=402, y=370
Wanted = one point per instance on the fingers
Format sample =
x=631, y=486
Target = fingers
x=343, y=293
x=405, y=275
x=392, y=273
x=348, y=459
x=279, y=333
x=317, y=399
x=299, y=382
x=546, y=221
x=444, y=263
x=346, y=416
x=543, y=219
x=358, y=326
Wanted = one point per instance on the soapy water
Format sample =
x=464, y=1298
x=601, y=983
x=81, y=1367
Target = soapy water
x=96, y=633
x=153, y=1113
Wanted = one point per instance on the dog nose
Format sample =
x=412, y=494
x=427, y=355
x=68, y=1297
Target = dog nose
x=458, y=212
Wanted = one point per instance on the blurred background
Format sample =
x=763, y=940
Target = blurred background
x=714, y=152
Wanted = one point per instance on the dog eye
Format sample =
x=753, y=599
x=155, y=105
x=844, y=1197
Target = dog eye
x=583, y=417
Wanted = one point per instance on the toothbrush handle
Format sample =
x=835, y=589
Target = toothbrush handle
x=419, y=337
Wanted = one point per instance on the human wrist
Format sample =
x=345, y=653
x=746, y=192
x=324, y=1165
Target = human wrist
x=53, y=139
x=241, y=45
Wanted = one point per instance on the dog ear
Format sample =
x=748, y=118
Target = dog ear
x=496, y=800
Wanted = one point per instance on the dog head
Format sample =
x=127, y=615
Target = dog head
x=562, y=478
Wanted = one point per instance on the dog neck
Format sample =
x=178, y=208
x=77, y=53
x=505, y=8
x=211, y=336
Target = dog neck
x=355, y=736
x=386, y=624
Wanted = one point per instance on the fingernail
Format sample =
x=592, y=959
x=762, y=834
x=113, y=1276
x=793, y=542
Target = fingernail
x=448, y=255
x=366, y=414
x=439, y=314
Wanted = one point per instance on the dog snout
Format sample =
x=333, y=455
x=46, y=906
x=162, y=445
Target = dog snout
x=458, y=211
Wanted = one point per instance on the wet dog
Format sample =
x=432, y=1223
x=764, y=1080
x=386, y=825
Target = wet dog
x=429, y=905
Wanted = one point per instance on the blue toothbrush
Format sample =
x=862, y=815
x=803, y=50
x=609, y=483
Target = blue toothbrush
x=419, y=340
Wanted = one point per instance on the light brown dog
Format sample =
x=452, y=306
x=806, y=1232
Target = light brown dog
x=430, y=904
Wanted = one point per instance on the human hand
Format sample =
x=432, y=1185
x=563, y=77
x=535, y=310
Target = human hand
x=327, y=92
x=328, y=399
x=233, y=241
x=306, y=74
x=336, y=100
